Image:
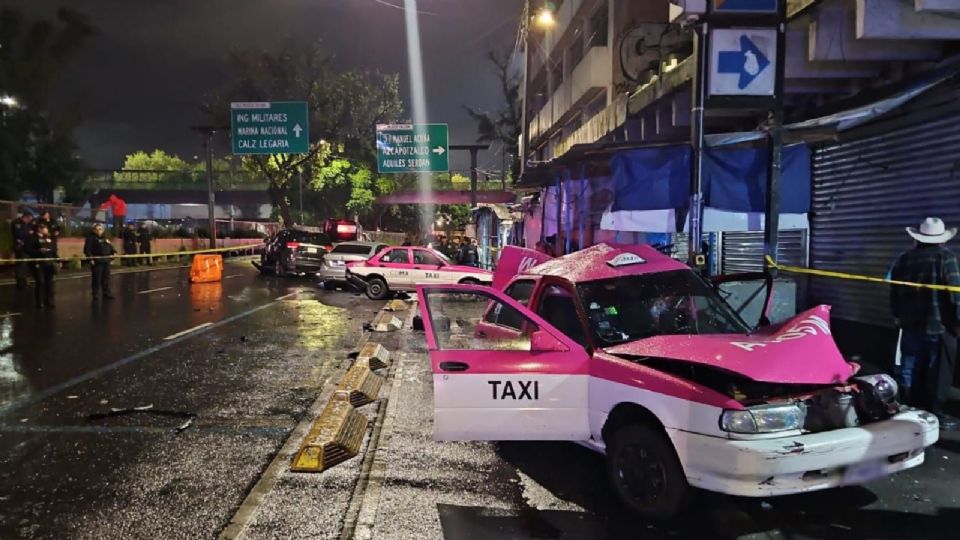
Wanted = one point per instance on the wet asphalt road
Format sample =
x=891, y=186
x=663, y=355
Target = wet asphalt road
x=259, y=353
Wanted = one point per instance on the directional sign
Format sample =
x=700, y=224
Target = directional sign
x=742, y=61
x=277, y=127
x=745, y=6
x=403, y=148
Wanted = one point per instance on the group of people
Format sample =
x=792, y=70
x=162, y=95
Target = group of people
x=36, y=240
x=464, y=252
x=35, y=248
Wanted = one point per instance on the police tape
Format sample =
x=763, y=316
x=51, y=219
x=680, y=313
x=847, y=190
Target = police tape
x=856, y=277
x=243, y=247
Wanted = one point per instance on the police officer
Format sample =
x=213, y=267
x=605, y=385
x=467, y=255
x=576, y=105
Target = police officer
x=52, y=226
x=22, y=230
x=43, y=246
x=469, y=256
x=98, y=245
x=144, y=237
x=129, y=244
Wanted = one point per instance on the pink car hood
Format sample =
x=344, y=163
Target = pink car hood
x=800, y=351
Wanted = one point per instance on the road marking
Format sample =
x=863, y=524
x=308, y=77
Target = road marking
x=53, y=390
x=233, y=276
x=188, y=331
x=148, y=291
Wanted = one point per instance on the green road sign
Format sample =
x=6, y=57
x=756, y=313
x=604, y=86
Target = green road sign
x=277, y=127
x=405, y=148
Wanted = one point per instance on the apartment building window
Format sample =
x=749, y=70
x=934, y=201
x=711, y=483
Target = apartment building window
x=599, y=25
x=576, y=51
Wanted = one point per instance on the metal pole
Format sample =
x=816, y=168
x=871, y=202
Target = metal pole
x=525, y=91
x=473, y=178
x=211, y=198
x=771, y=230
x=300, y=176
x=696, y=144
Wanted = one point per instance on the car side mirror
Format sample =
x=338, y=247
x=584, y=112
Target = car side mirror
x=543, y=341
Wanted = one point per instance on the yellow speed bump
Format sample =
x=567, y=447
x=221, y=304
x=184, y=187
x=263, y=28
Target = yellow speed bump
x=396, y=305
x=387, y=322
x=334, y=437
x=376, y=355
x=360, y=385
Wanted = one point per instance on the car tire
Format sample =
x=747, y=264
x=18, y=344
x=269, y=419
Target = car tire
x=377, y=289
x=645, y=472
x=329, y=286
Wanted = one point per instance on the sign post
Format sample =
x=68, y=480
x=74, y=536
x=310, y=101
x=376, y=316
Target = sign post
x=270, y=127
x=412, y=148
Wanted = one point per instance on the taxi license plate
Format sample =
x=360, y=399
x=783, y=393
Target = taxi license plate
x=337, y=263
x=310, y=250
x=863, y=472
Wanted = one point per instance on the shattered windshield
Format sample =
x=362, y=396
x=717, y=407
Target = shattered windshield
x=667, y=303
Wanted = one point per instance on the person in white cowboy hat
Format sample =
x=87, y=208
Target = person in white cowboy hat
x=929, y=319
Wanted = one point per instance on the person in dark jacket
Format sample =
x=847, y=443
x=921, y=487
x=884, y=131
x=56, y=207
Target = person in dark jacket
x=928, y=319
x=51, y=226
x=22, y=231
x=129, y=244
x=469, y=256
x=97, y=245
x=144, y=237
x=42, y=246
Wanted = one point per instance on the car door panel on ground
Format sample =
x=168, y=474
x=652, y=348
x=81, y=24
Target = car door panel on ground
x=529, y=385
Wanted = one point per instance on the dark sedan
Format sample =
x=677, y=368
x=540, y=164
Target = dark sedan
x=294, y=252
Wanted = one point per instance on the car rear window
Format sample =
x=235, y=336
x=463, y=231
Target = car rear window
x=310, y=238
x=352, y=249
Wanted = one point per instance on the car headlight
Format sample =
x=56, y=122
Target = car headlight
x=883, y=386
x=763, y=419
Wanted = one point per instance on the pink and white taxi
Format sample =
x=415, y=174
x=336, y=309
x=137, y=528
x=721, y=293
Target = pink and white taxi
x=403, y=268
x=632, y=354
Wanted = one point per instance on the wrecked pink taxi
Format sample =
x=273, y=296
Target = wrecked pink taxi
x=630, y=353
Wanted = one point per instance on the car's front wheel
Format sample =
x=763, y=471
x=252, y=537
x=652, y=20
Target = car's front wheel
x=645, y=471
x=377, y=289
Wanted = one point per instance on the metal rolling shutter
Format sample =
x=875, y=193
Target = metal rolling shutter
x=743, y=251
x=865, y=191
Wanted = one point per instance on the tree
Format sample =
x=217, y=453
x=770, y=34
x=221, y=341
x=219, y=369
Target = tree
x=162, y=166
x=37, y=149
x=344, y=110
x=503, y=125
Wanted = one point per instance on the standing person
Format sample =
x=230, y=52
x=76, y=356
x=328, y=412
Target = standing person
x=129, y=244
x=144, y=237
x=22, y=230
x=52, y=226
x=98, y=245
x=928, y=319
x=118, y=208
x=43, y=246
x=468, y=253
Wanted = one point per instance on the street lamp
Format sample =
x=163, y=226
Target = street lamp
x=9, y=101
x=545, y=18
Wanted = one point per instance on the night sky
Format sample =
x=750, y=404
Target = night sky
x=142, y=76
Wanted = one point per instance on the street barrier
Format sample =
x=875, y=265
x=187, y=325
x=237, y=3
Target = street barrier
x=375, y=355
x=843, y=275
x=206, y=268
x=245, y=249
x=396, y=305
x=360, y=384
x=386, y=322
x=335, y=436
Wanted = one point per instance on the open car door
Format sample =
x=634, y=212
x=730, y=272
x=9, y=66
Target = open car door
x=525, y=385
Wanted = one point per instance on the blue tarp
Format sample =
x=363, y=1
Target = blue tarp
x=734, y=179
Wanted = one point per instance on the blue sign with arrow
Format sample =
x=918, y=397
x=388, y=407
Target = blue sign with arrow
x=742, y=61
x=748, y=62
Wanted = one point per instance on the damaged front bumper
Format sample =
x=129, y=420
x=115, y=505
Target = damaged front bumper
x=796, y=464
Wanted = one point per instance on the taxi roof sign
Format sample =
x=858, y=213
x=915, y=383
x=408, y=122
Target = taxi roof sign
x=626, y=259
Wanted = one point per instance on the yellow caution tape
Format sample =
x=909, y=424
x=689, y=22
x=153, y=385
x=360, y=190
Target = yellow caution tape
x=843, y=275
x=242, y=247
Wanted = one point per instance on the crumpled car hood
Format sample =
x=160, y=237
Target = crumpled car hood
x=799, y=351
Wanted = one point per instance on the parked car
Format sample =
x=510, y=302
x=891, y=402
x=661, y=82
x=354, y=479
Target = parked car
x=403, y=268
x=293, y=252
x=333, y=271
x=632, y=354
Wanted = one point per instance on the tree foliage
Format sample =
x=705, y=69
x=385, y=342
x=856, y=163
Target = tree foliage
x=37, y=148
x=344, y=106
x=504, y=124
